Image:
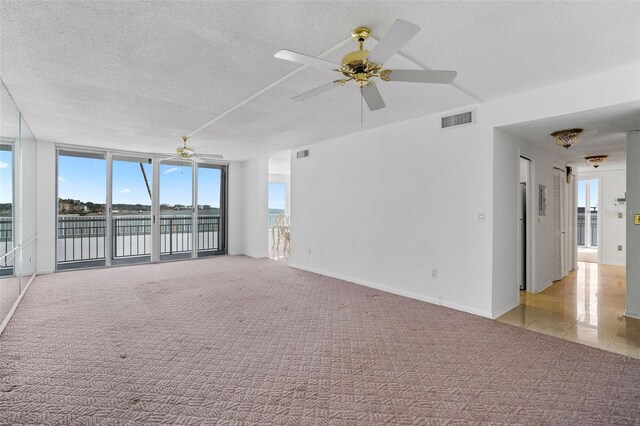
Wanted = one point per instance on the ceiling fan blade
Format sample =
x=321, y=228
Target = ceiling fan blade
x=313, y=92
x=421, y=76
x=301, y=58
x=372, y=97
x=397, y=36
x=211, y=157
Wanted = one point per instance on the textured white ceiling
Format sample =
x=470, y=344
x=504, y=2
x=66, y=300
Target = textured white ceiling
x=138, y=75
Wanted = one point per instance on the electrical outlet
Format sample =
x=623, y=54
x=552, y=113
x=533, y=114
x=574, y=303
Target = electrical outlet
x=434, y=273
x=480, y=216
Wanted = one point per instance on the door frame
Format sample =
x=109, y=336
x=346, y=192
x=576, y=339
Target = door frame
x=531, y=213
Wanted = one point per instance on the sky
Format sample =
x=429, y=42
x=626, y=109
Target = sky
x=277, y=195
x=5, y=176
x=85, y=179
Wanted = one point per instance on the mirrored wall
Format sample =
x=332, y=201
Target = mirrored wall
x=18, y=205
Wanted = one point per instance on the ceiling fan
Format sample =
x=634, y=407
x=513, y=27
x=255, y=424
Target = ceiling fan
x=187, y=153
x=361, y=66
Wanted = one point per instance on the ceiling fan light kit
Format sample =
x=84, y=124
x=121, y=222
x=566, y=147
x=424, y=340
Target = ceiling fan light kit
x=596, y=160
x=567, y=138
x=361, y=66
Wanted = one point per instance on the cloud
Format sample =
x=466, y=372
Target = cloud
x=3, y=165
x=171, y=170
x=125, y=190
x=61, y=179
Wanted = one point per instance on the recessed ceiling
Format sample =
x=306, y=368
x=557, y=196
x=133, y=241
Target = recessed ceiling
x=138, y=75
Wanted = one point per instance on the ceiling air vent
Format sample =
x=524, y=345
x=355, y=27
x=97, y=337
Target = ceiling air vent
x=457, y=120
x=303, y=153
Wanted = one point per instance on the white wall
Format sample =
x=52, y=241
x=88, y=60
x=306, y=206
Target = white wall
x=254, y=193
x=235, y=210
x=613, y=184
x=28, y=204
x=633, y=231
x=386, y=206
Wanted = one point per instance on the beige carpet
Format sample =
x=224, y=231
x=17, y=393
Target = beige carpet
x=233, y=340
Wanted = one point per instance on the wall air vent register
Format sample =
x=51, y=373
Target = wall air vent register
x=457, y=120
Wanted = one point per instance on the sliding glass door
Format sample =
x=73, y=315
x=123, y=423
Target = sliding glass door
x=131, y=199
x=176, y=210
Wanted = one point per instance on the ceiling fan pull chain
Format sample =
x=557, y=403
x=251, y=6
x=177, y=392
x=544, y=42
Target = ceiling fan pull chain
x=361, y=107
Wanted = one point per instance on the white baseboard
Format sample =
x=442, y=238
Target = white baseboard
x=399, y=292
x=544, y=286
x=505, y=309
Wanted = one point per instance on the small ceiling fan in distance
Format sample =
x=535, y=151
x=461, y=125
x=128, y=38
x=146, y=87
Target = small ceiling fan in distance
x=361, y=66
x=187, y=153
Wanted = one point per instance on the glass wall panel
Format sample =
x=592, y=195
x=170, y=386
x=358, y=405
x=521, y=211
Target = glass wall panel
x=12, y=278
x=82, y=183
x=176, y=210
x=132, y=180
x=10, y=139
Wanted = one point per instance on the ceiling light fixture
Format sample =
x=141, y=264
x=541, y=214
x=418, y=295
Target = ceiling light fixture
x=596, y=160
x=566, y=138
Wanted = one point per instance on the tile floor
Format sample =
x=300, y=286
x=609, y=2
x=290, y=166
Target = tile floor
x=587, y=254
x=587, y=307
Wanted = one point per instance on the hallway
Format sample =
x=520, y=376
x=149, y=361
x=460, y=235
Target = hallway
x=587, y=307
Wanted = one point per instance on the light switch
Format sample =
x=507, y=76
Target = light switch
x=619, y=215
x=636, y=219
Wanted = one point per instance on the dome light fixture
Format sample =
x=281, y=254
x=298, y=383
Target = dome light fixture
x=567, y=138
x=596, y=160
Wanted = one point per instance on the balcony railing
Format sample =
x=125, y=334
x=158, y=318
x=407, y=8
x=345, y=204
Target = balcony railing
x=6, y=243
x=582, y=229
x=82, y=238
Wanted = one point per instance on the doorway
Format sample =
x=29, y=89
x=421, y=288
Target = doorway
x=523, y=225
x=587, y=220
